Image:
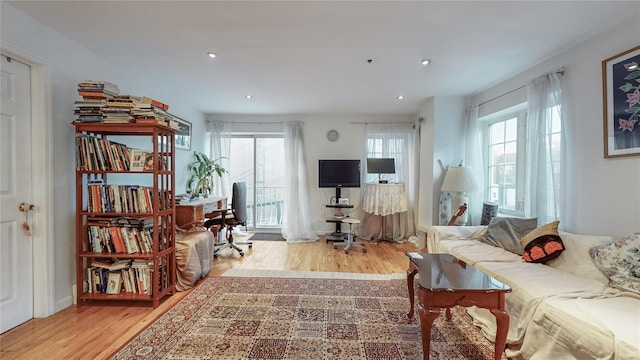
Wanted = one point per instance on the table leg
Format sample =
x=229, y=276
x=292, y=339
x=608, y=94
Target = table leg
x=411, y=273
x=426, y=321
x=502, y=324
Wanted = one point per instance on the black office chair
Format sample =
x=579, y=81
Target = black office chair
x=235, y=217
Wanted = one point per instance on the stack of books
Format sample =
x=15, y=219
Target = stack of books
x=118, y=109
x=95, y=94
x=150, y=111
x=97, y=90
x=102, y=102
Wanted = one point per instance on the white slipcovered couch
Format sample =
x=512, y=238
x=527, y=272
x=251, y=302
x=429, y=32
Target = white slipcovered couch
x=564, y=309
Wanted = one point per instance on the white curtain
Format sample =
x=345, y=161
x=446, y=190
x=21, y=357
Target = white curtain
x=220, y=148
x=296, y=223
x=400, y=141
x=473, y=160
x=545, y=189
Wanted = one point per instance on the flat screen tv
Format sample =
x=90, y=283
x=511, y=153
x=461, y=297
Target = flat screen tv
x=339, y=173
x=381, y=166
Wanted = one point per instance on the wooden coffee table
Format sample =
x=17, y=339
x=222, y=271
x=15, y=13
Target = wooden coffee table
x=444, y=282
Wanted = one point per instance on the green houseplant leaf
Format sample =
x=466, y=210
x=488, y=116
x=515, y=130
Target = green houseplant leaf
x=202, y=170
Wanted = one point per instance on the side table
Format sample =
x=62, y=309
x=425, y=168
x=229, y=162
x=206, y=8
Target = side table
x=444, y=282
x=384, y=200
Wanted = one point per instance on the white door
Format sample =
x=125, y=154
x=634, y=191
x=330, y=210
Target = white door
x=16, y=255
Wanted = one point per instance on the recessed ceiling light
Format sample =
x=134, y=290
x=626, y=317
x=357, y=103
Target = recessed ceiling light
x=425, y=62
x=400, y=97
x=212, y=55
x=248, y=96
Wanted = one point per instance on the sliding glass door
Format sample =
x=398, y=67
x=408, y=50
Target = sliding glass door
x=258, y=160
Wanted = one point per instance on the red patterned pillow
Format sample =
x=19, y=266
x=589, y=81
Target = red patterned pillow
x=542, y=244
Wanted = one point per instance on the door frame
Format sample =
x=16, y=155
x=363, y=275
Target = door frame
x=41, y=169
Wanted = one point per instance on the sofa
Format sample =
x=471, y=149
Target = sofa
x=574, y=306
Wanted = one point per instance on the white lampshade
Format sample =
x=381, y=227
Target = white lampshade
x=459, y=179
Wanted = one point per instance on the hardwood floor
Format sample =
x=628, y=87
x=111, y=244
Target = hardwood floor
x=95, y=332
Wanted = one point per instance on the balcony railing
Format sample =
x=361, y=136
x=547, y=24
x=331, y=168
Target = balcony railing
x=269, y=206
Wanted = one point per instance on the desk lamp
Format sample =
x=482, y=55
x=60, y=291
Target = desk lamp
x=459, y=180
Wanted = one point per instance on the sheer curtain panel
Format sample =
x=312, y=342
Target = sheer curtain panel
x=220, y=148
x=296, y=223
x=545, y=195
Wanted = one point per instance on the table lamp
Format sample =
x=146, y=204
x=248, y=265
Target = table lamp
x=459, y=180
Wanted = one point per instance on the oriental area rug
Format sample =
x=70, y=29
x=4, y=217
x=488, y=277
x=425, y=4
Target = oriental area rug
x=300, y=316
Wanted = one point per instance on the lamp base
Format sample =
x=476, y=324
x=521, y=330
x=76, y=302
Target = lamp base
x=456, y=202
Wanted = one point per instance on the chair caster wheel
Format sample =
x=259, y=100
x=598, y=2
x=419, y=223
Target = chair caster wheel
x=215, y=256
x=335, y=247
x=241, y=254
x=346, y=252
x=250, y=246
x=364, y=250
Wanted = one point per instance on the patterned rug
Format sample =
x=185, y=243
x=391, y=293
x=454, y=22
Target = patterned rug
x=305, y=317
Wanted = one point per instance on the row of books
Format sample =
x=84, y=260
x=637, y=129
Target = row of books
x=135, y=277
x=119, y=198
x=98, y=154
x=119, y=239
x=94, y=153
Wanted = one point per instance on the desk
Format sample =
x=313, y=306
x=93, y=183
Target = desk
x=445, y=282
x=384, y=199
x=193, y=213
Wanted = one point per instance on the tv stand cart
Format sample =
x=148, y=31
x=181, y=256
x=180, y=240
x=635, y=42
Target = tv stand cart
x=337, y=235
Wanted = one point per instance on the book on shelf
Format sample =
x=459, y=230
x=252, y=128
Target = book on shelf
x=155, y=103
x=140, y=160
x=114, y=283
x=111, y=264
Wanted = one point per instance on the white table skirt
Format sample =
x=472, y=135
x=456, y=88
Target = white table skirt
x=384, y=199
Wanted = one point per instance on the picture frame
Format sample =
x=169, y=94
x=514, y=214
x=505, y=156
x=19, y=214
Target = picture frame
x=183, y=135
x=621, y=104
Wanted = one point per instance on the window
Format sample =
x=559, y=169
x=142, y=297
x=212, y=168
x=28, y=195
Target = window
x=258, y=160
x=504, y=141
x=505, y=156
x=385, y=147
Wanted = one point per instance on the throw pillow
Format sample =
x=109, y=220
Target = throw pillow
x=619, y=261
x=506, y=232
x=542, y=244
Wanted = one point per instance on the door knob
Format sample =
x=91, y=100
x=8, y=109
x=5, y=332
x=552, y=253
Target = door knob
x=24, y=207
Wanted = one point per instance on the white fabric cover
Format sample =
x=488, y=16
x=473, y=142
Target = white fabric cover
x=561, y=310
x=576, y=260
x=384, y=199
x=601, y=328
x=531, y=284
x=437, y=234
x=194, y=255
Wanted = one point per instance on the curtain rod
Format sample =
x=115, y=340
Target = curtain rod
x=366, y=122
x=559, y=71
x=251, y=122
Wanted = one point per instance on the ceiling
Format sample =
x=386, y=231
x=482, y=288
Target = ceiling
x=310, y=57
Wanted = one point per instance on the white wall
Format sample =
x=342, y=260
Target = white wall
x=605, y=192
x=350, y=145
x=70, y=64
x=441, y=141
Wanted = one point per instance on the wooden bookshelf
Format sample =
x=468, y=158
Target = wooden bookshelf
x=149, y=208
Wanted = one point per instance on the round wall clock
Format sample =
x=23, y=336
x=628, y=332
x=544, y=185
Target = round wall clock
x=333, y=135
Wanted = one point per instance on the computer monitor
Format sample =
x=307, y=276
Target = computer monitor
x=381, y=166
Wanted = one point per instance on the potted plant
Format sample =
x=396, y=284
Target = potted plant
x=202, y=171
